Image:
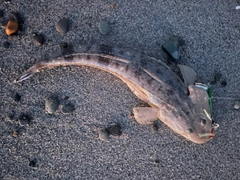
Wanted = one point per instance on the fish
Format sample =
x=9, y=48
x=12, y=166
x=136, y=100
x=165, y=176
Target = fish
x=179, y=105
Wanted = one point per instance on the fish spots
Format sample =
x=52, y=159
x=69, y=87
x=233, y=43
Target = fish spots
x=69, y=58
x=105, y=49
x=104, y=60
x=88, y=57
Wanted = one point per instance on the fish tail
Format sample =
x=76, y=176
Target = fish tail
x=30, y=72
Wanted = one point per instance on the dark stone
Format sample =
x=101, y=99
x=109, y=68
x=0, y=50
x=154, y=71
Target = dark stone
x=224, y=83
x=114, y=130
x=172, y=48
x=104, y=27
x=157, y=161
x=17, y=97
x=68, y=108
x=1, y=13
x=24, y=119
x=33, y=163
x=38, y=39
x=6, y=45
x=217, y=77
x=62, y=26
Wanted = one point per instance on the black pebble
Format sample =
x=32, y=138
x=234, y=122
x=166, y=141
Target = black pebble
x=33, y=163
x=114, y=130
x=62, y=26
x=38, y=39
x=17, y=97
x=1, y=13
x=24, y=119
x=224, y=83
x=6, y=45
x=217, y=77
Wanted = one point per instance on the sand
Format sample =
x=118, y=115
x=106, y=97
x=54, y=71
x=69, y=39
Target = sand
x=66, y=146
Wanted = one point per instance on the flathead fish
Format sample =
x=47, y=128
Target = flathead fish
x=181, y=108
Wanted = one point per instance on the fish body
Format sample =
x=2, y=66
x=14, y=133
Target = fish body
x=150, y=80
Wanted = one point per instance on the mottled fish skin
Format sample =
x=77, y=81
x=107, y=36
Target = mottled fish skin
x=149, y=79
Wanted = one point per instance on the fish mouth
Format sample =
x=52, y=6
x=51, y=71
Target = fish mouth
x=208, y=135
x=211, y=134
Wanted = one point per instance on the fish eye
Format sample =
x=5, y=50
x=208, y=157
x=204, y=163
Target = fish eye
x=203, y=122
x=190, y=130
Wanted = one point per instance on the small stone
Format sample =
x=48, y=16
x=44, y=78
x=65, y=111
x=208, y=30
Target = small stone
x=156, y=161
x=172, y=48
x=15, y=133
x=62, y=26
x=155, y=127
x=1, y=13
x=217, y=77
x=236, y=104
x=51, y=105
x=103, y=135
x=24, y=119
x=224, y=83
x=33, y=163
x=114, y=130
x=17, y=97
x=12, y=27
x=68, y=108
x=104, y=27
x=6, y=45
x=38, y=39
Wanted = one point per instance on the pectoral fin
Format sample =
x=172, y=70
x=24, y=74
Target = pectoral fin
x=199, y=97
x=189, y=75
x=145, y=115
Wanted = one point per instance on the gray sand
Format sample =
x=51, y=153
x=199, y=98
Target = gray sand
x=66, y=146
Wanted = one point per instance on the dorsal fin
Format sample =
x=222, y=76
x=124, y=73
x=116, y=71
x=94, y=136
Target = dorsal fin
x=189, y=75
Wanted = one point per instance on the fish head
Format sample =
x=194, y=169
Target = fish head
x=201, y=129
x=196, y=127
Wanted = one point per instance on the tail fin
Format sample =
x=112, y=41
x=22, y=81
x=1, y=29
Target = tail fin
x=30, y=72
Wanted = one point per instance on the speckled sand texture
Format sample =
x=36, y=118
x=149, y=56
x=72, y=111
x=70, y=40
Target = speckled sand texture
x=66, y=146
